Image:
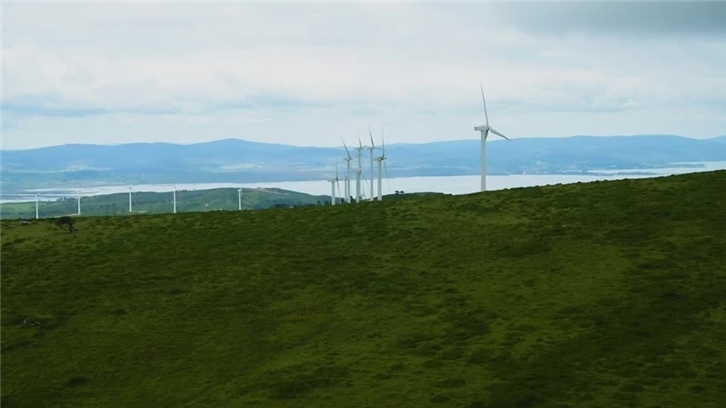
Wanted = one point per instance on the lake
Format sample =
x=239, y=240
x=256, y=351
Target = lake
x=447, y=184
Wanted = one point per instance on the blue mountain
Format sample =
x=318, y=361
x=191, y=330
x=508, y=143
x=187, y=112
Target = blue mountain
x=235, y=160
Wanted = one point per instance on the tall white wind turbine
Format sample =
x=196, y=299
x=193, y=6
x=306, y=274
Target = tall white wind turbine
x=239, y=199
x=371, y=148
x=78, y=192
x=382, y=162
x=347, y=175
x=359, y=172
x=484, y=130
x=36, y=206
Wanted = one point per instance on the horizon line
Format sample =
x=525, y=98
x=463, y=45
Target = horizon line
x=330, y=147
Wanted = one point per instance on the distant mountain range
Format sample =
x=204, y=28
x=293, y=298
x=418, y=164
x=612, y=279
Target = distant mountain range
x=234, y=160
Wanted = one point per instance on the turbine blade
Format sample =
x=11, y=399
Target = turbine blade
x=383, y=146
x=499, y=134
x=346, y=148
x=360, y=144
x=371, y=135
x=484, y=102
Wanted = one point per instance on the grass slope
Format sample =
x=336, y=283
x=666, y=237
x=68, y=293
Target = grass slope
x=160, y=203
x=604, y=294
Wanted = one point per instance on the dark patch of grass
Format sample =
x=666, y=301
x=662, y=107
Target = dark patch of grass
x=76, y=381
x=597, y=294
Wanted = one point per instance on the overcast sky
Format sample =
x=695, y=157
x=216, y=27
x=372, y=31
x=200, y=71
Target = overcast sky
x=309, y=73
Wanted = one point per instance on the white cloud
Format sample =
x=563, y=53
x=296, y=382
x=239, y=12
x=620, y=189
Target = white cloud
x=303, y=73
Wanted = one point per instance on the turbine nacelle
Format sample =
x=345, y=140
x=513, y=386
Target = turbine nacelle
x=486, y=129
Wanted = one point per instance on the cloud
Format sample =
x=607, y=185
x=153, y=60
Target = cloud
x=201, y=71
x=620, y=18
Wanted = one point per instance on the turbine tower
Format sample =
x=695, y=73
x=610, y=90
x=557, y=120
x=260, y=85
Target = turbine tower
x=359, y=172
x=239, y=199
x=174, y=197
x=78, y=192
x=347, y=175
x=371, y=148
x=131, y=190
x=484, y=130
x=333, y=182
x=36, y=206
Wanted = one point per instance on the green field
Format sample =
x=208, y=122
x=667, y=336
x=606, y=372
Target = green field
x=161, y=203
x=603, y=294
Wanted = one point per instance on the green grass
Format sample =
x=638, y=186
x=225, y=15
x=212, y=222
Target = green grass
x=604, y=294
x=161, y=203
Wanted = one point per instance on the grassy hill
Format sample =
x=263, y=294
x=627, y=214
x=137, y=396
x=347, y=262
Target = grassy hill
x=604, y=294
x=160, y=203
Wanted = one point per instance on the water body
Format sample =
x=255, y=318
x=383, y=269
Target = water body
x=445, y=184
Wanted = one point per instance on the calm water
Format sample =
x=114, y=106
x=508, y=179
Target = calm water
x=449, y=184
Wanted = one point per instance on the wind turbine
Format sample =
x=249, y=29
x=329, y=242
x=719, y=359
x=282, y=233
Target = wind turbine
x=239, y=199
x=371, y=148
x=347, y=175
x=131, y=208
x=382, y=162
x=484, y=130
x=36, y=207
x=359, y=172
x=333, y=182
x=174, y=197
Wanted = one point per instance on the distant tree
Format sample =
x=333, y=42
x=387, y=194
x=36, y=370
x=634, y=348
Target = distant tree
x=318, y=203
x=66, y=220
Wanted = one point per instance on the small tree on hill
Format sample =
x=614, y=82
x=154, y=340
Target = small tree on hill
x=66, y=220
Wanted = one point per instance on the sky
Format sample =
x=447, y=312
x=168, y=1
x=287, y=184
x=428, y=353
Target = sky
x=309, y=73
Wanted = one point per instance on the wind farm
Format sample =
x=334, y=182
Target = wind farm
x=360, y=176
x=382, y=167
x=367, y=181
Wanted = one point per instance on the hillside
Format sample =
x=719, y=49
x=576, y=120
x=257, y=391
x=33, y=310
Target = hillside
x=604, y=294
x=241, y=161
x=160, y=203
